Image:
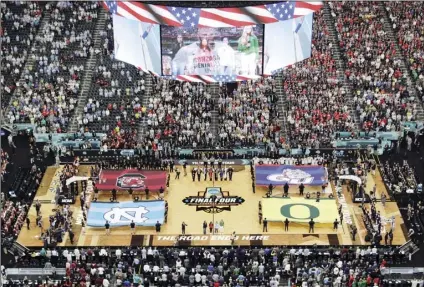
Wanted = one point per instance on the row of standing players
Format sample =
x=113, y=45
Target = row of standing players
x=209, y=170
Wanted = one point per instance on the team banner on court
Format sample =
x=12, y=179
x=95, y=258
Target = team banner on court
x=299, y=209
x=291, y=174
x=132, y=178
x=143, y=213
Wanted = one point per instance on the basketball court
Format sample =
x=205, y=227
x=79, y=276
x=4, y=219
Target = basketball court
x=194, y=202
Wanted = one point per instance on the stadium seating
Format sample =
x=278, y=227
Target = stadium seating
x=14, y=211
x=380, y=90
x=215, y=266
x=247, y=116
x=114, y=97
x=407, y=22
x=181, y=111
x=20, y=22
x=52, y=85
x=315, y=97
x=159, y=117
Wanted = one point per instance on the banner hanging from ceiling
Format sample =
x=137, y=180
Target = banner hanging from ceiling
x=212, y=17
x=212, y=44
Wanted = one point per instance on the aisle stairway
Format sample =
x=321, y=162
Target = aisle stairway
x=88, y=71
x=409, y=246
x=340, y=63
x=282, y=106
x=214, y=91
x=141, y=129
x=388, y=28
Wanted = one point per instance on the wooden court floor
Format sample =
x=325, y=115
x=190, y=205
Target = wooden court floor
x=242, y=219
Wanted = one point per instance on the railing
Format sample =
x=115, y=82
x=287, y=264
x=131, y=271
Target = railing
x=34, y=271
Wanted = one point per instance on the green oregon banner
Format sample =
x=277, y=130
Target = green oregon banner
x=287, y=208
x=299, y=209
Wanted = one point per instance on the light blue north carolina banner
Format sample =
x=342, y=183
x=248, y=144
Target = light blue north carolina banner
x=144, y=213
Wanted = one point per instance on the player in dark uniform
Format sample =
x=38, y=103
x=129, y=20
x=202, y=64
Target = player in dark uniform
x=230, y=173
x=185, y=168
x=193, y=173
x=132, y=226
x=199, y=173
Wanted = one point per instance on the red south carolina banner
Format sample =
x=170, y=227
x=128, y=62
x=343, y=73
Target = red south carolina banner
x=131, y=178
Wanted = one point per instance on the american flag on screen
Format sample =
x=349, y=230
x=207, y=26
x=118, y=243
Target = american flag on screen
x=213, y=79
x=154, y=14
x=188, y=17
x=292, y=9
x=212, y=17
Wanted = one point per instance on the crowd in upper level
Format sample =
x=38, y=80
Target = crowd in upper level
x=407, y=22
x=136, y=110
x=19, y=24
x=381, y=96
x=248, y=115
x=316, y=98
x=48, y=94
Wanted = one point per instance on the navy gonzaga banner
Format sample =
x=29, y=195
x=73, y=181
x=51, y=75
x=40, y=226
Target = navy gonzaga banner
x=291, y=174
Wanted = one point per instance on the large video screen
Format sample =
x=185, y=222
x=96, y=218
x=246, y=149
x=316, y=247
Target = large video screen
x=212, y=51
x=137, y=43
x=287, y=42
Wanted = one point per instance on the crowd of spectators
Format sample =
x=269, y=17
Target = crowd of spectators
x=317, y=106
x=176, y=111
x=114, y=98
x=60, y=222
x=16, y=197
x=195, y=266
x=20, y=21
x=52, y=85
x=67, y=190
x=4, y=161
x=408, y=19
x=181, y=111
x=381, y=97
x=13, y=217
x=400, y=178
x=248, y=114
x=180, y=114
x=289, y=160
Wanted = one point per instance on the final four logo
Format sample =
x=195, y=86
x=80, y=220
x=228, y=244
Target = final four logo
x=292, y=176
x=213, y=200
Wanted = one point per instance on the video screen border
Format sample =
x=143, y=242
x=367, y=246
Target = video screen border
x=160, y=45
x=261, y=45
